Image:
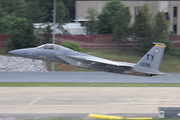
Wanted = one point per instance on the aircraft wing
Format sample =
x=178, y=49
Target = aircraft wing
x=98, y=60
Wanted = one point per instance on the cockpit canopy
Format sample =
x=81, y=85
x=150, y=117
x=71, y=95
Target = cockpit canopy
x=52, y=47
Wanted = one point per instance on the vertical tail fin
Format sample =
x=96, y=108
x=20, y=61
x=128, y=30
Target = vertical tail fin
x=151, y=61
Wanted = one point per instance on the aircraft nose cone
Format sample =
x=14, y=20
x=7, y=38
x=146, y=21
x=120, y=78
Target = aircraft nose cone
x=16, y=52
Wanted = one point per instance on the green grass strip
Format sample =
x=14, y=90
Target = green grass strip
x=46, y=84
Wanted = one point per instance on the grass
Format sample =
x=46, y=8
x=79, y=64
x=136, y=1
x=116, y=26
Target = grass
x=3, y=52
x=169, y=64
x=15, y=84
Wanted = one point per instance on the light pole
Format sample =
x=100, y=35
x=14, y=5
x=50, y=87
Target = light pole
x=54, y=22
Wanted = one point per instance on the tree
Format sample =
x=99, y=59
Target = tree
x=121, y=23
x=104, y=24
x=72, y=45
x=35, y=12
x=161, y=25
x=14, y=7
x=62, y=13
x=47, y=33
x=143, y=28
x=1, y=21
x=148, y=30
x=41, y=11
x=46, y=8
x=6, y=22
x=90, y=25
x=70, y=5
x=9, y=10
x=21, y=35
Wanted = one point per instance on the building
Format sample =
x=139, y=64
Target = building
x=170, y=7
x=68, y=28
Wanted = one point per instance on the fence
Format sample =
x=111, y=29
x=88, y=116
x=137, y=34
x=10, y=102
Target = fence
x=94, y=41
x=175, y=40
x=3, y=39
x=87, y=40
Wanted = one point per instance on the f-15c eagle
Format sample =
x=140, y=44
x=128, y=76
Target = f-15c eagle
x=148, y=65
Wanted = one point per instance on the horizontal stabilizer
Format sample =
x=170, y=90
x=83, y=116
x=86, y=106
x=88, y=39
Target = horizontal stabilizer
x=150, y=72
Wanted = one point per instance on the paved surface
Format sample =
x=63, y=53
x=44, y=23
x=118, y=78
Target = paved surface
x=65, y=116
x=98, y=77
x=38, y=102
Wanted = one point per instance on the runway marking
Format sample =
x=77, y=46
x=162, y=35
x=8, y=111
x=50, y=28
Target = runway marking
x=34, y=101
x=172, y=98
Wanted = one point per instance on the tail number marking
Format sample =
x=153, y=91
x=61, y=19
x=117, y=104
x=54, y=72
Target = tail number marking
x=145, y=64
x=150, y=56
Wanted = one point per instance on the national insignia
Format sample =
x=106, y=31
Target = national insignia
x=79, y=63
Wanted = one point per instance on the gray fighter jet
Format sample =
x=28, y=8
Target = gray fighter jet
x=148, y=65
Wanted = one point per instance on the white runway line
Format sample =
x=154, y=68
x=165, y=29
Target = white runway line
x=35, y=101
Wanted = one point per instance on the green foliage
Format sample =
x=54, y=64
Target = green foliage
x=143, y=25
x=44, y=10
x=121, y=23
x=160, y=29
x=62, y=14
x=70, y=5
x=1, y=11
x=36, y=11
x=21, y=35
x=91, y=24
x=161, y=24
x=172, y=32
x=6, y=23
x=68, y=84
x=5, y=20
x=47, y=33
x=1, y=21
x=10, y=11
x=72, y=45
x=105, y=24
x=143, y=28
x=148, y=30
x=14, y=7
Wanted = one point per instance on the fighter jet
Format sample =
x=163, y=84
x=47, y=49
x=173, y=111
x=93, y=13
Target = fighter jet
x=148, y=65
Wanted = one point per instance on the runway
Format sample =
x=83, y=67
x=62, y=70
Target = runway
x=85, y=100
x=96, y=77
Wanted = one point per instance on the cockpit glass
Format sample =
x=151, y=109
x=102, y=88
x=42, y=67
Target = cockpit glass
x=40, y=47
x=52, y=47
